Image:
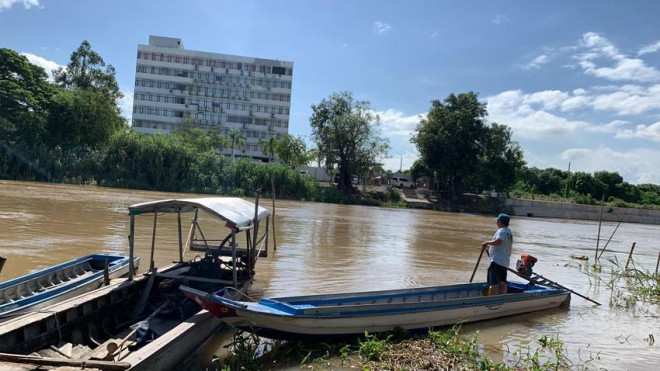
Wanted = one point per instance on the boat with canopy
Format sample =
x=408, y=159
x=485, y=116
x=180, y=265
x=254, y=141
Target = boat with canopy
x=144, y=322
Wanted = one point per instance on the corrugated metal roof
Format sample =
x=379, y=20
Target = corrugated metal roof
x=231, y=209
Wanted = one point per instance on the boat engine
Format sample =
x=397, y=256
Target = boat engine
x=524, y=265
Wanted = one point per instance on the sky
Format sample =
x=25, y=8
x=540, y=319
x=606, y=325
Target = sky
x=578, y=82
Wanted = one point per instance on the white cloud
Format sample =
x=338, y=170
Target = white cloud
x=628, y=99
x=519, y=111
x=610, y=127
x=435, y=33
x=6, y=4
x=126, y=105
x=649, y=49
x=575, y=102
x=624, y=69
x=651, y=132
x=549, y=99
x=537, y=62
x=381, y=28
x=44, y=63
x=396, y=123
x=343, y=46
x=633, y=165
x=500, y=19
x=599, y=46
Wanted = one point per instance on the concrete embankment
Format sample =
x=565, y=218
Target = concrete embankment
x=547, y=209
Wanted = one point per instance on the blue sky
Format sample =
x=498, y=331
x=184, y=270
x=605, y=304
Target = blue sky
x=577, y=81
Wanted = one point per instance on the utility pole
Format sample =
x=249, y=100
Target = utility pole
x=401, y=165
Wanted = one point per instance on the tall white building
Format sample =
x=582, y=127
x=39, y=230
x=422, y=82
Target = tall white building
x=216, y=91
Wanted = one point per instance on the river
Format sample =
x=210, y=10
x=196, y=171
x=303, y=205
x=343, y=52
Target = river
x=326, y=248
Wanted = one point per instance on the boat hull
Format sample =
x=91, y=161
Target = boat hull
x=312, y=319
x=61, y=282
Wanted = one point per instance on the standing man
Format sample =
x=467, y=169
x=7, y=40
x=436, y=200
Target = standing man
x=500, y=255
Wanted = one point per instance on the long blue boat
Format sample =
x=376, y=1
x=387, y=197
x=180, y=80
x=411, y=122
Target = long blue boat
x=51, y=285
x=351, y=314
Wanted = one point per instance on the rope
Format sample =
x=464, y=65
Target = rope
x=242, y=293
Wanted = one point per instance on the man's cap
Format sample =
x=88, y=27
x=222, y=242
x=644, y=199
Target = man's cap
x=503, y=218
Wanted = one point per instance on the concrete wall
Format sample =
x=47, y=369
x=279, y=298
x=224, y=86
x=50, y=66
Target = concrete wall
x=546, y=209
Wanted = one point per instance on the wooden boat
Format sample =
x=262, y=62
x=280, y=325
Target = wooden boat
x=351, y=314
x=60, y=282
x=145, y=322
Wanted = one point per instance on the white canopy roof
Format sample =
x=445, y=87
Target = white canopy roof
x=231, y=209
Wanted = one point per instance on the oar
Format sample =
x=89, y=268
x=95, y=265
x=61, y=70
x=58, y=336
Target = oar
x=477, y=266
x=552, y=283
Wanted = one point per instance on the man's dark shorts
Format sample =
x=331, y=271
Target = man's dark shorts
x=496, y=274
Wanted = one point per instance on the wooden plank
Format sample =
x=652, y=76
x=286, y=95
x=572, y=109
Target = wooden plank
x=47, y=361
x=191, y=278
x=67, y=349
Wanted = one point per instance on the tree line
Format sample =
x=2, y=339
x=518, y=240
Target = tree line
x=461, y=153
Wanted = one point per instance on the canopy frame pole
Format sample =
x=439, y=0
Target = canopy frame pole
x=233, y=257
x=252, y=253
x=191, y=232
x=131, y=246
x=178, y=219
x=267, y=232
x=153, y=242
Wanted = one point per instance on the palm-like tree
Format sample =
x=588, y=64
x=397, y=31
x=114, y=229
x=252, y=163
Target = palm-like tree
x=269, y=147
x=237, y=139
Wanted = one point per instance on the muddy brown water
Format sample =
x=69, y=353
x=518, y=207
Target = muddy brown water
x=324, y=248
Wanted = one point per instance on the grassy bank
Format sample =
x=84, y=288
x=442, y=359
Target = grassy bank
x=436, y=350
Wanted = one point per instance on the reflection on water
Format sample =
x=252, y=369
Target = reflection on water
x=333, y=248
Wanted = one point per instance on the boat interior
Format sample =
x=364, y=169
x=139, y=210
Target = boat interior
x=316, y=304
x=110, y=326
x=39, y=282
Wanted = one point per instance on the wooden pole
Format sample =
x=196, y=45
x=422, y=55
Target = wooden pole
x=272, y=186
x=131, y=248
x=178, y=219
x=632, y=248
x=153, y=242
x=612, y=235
x=656, y=264
x=477, y=265
x=600, y=221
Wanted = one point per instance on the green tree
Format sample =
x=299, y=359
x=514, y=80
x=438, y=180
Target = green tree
x=201, y=139
x=292, y=151
x=348, y=136
x=587, y=185
x=501, y=159
x=24, y=97
x=237, y=139
x=450, y=140
x=85, y=72
x=611, y=181
x=269, y=147
x=418, y=170
x=82, y=118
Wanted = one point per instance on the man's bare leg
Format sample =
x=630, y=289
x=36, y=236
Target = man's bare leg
x=503, y=287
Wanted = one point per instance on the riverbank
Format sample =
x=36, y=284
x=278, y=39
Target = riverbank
x=447, y=349
x=483, y=204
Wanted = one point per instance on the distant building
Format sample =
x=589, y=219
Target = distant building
x=215, y=91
